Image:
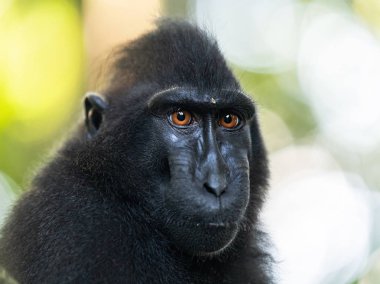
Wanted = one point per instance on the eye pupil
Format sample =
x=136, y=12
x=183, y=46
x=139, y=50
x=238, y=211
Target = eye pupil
x=228, y=119
x=181, y=116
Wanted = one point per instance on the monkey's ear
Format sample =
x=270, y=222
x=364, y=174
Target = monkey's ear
x=94, y=106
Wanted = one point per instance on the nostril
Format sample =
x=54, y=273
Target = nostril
x=215, y=190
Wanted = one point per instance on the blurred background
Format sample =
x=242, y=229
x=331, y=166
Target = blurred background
x=312, y=66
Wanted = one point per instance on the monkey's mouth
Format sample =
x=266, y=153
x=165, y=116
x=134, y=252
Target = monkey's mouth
x=216, y=224
x=226, y=225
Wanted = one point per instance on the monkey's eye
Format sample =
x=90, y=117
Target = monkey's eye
x=181, y=118
x=229, y=121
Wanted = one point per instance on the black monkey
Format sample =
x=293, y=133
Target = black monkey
x=162, y=184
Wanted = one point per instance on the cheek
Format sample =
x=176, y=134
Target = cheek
x=238, y=177
x=238, y=193
x=236, y=159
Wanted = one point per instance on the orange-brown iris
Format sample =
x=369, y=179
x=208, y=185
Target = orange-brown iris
x=181, y=118
x=229, y=121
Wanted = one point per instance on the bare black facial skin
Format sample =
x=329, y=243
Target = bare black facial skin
x=208, y=166
x=163, y=181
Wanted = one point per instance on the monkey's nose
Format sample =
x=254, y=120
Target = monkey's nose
x=216, y=189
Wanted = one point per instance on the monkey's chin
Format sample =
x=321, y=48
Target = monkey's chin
x=204, y=239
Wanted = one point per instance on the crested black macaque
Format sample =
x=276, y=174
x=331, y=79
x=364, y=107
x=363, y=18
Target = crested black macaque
x=162, y=183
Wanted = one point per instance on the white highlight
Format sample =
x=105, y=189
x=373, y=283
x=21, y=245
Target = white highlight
x=339, y=70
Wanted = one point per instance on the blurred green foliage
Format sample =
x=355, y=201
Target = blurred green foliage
x=41, y=77
x=281, y=94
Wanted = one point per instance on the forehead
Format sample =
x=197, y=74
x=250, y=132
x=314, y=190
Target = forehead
x=202, y=99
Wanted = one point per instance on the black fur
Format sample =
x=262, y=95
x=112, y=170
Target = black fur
x=92, y=216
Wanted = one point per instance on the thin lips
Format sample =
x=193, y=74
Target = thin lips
x=221, y=224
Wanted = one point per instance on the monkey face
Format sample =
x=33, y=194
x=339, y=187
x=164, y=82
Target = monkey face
x=206, y=144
